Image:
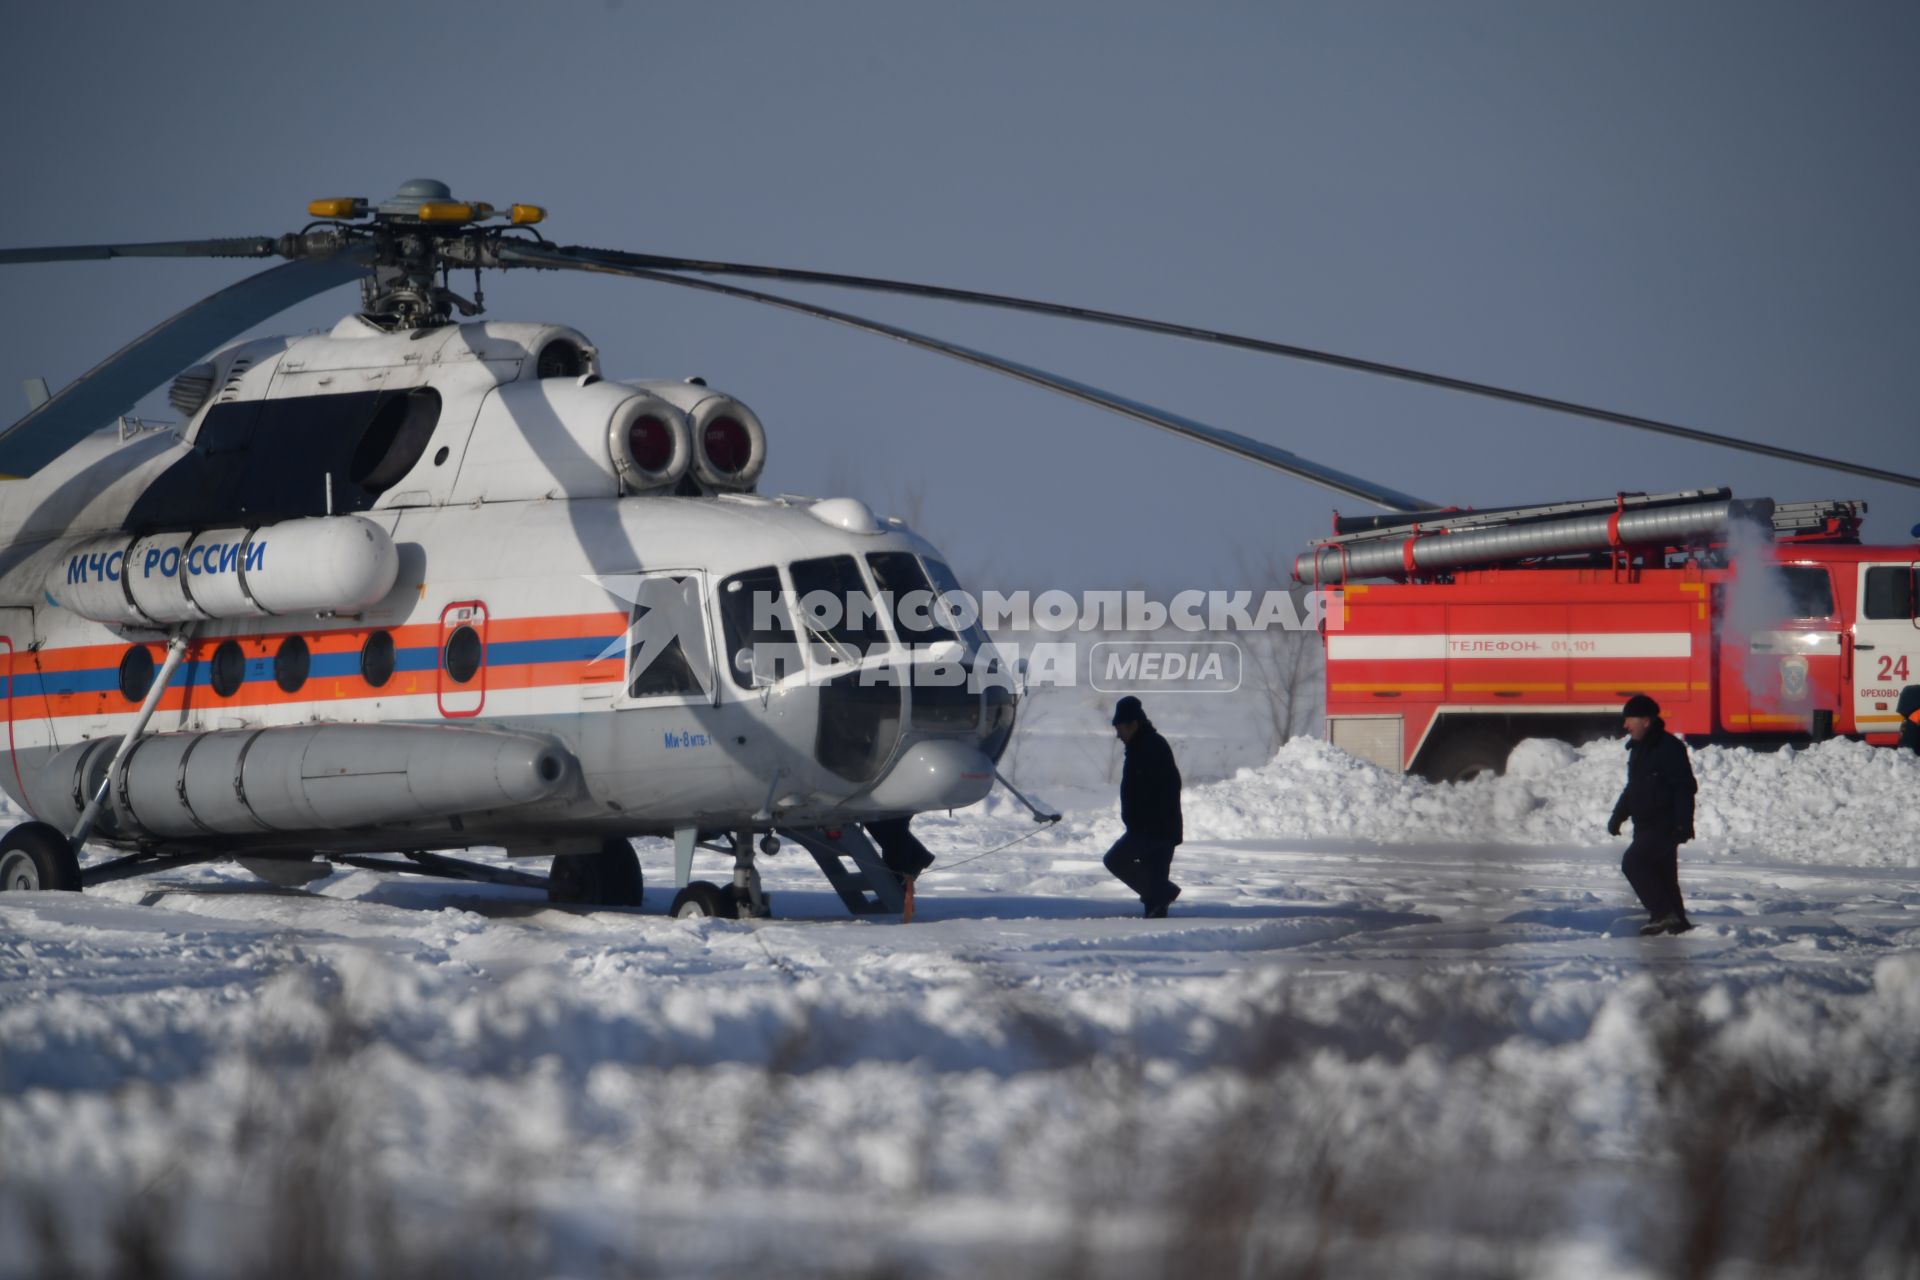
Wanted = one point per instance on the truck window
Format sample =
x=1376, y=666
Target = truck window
x=1809, y=591
x=1889, y=592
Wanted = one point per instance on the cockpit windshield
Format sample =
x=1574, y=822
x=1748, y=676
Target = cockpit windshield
x=946, y=589
x=836, y=606
x=909, y=599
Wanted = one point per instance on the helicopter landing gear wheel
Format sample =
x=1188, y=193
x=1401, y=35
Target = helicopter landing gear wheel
x=35, y=855
x=705, y=899
x=609, y=877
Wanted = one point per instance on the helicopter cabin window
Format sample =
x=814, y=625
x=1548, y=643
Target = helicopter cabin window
x=463, y=654
x=837, y=609
x=761, y=647
x=667, y=650
x=376, y=659
x=908, y=596
x=291, y=664
x=136, y=673
x=228, y=670
x=1809, y=592
x=1890, y=593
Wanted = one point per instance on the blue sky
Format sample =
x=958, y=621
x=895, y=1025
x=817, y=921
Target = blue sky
x=1705, y=213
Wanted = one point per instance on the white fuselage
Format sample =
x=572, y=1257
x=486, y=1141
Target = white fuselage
x=532, y=591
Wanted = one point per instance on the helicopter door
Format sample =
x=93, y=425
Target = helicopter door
x=16, y=639
x=463, y=659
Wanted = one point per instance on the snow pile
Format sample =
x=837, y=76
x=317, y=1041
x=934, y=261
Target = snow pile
x=1838, y=802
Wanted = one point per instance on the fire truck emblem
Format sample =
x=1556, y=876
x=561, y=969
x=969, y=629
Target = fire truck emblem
x=1793, y=678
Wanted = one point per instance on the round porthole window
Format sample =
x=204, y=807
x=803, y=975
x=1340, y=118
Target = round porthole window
x=376, y=658
x=228, y=670
x=462, y=654
x=136, y=673
x=291, y=663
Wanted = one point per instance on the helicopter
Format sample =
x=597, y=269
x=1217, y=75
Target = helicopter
x=426, y=582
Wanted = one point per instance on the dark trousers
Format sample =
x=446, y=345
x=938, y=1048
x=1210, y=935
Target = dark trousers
x=1652, y=867
x=900, y=849
x=1142, y=863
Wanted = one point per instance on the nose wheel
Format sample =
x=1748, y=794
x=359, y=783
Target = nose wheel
x=704, y=900
x=743, y=899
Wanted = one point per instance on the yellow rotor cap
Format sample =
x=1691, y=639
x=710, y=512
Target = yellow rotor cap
x=342, y=207
x=446, y=211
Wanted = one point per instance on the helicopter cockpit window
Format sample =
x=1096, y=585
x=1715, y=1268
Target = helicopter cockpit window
x=667, y=653
x=917, y=616
x=761, y=647
x=402, y=425
x=947, y=588
x=837, y=608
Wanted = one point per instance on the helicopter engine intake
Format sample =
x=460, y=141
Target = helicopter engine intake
x=651, y=443
x=729, y=444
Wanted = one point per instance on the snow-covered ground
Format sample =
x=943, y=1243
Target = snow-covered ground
x=1390, y=1029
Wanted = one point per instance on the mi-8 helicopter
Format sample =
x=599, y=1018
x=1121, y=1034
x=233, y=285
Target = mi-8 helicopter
x=425, y=584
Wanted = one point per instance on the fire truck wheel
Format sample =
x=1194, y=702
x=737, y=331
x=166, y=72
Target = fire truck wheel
x=35, y=855
x=608, y=878
x=1466, y=754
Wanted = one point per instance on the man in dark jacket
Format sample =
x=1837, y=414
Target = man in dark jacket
x=1659, y=799
x=1909, y=708
x=1150, y=808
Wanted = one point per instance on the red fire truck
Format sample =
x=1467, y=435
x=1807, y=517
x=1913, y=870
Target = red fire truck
x=1455, y=634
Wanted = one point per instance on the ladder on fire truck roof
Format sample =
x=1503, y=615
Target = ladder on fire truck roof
x=1416, y=543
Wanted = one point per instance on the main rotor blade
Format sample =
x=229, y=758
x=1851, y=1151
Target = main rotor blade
x=1199, y=334
x=113, y=386
x=1227, y=441
x=232, y=247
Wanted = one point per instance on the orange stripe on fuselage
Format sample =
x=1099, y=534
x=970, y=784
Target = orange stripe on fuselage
x=322, y=689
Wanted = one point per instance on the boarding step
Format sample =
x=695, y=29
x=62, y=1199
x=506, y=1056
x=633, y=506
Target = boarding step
x=852, y=866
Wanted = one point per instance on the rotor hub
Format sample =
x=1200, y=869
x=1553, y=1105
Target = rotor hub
x=414, y=239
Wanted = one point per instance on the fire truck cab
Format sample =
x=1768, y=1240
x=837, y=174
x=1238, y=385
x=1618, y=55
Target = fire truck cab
x=1747, y=621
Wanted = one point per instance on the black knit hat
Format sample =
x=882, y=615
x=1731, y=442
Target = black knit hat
x=1127, y=711
x=1641, y=705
